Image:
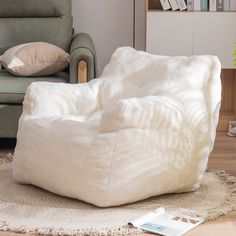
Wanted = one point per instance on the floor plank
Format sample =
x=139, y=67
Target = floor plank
x=222, y=157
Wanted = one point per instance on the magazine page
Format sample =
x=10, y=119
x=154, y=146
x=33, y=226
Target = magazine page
x=166, y=223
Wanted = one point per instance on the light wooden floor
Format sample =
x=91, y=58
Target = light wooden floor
x=222, y=157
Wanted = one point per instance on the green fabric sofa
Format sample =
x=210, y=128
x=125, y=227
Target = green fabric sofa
x=23, y=21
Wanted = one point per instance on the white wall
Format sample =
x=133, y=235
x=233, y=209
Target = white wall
x=109, y=22
x=140, y=24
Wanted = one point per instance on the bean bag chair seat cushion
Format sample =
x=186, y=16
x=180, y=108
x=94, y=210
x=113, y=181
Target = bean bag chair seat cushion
x=146, y=127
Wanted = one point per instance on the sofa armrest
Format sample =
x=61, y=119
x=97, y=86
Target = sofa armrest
x=83, y=59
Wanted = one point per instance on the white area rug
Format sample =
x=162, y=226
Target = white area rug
x=30, y=209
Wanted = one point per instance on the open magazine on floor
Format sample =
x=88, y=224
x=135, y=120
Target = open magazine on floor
x=166, y=223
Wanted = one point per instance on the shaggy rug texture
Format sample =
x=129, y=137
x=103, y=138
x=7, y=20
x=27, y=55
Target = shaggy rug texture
x=25, y=208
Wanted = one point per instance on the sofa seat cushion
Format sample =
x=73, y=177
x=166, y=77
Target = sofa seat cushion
x=12, y=89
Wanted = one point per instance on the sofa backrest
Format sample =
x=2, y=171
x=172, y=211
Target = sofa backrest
x=23, y=21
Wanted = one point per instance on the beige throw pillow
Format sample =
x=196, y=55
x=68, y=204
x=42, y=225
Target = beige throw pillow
x=34, y=59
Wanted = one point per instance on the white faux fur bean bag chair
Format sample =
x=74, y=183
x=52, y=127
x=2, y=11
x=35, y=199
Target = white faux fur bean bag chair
x=146, y=127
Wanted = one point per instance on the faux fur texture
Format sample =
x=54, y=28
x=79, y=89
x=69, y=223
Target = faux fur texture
x=145, y=127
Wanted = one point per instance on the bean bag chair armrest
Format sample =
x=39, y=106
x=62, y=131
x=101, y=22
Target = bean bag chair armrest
x=60, y=99
x=83, y=59
x=150, y=112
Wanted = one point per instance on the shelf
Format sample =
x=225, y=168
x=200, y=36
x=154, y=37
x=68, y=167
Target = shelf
x=225, y=117
x=227, y=114
x=207, y=12
x=228, y=103
x=155, y=6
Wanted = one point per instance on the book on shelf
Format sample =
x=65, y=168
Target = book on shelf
x=182, y=5
x=174, y=5
x=165, y=5
x=232, y=5
x=226, y=5
x=204, y=5
x=212, y=5
x=201, y=5
x=197, y=5
x=190, y=5
x=219, y=5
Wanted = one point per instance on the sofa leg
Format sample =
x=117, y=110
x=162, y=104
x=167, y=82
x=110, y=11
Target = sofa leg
x=82, y=72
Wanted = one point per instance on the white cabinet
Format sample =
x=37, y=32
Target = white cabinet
x=215, y=33
x=169, y=33
x=192, y=33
